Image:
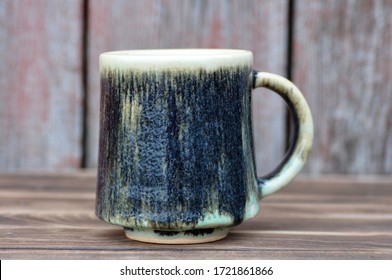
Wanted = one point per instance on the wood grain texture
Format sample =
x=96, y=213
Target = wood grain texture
x=343, y=63
x=52, y=217
x=259, y=26
x=40, y=82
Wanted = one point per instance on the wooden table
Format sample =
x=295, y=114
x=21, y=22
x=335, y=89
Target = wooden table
x=51, y=216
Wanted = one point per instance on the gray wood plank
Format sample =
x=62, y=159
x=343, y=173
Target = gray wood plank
x=259, y=26
x=41, y=84
x=343, y=63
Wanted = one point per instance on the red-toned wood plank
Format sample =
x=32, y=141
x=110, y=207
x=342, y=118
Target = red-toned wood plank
x=257, y=25
x=343, y=63
x=40, y=82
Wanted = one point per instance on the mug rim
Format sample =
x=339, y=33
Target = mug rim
x=178, y=52
x=207, y=58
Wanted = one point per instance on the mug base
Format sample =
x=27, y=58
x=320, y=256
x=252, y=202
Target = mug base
x=177, y=237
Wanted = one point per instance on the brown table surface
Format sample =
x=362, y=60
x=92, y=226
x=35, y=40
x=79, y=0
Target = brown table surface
x=51, y=216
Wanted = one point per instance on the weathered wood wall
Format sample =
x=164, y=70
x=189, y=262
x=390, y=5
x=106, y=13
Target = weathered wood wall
x=342, y=61
x=341, y=58
x=40, y=84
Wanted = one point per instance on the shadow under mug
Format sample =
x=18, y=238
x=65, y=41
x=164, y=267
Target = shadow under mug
x=176, y=162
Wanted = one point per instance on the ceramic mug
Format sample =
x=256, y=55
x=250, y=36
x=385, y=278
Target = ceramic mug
x=176, y=161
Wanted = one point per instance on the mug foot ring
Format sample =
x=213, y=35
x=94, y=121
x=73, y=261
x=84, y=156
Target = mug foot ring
x=177, y=237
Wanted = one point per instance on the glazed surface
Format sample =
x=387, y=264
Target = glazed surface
x=175, y=149
x=174, y=59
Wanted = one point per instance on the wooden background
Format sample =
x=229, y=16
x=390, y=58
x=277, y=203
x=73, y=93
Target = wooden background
x=339, y=53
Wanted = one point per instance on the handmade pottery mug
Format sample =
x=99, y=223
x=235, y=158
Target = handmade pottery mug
x=176, y=161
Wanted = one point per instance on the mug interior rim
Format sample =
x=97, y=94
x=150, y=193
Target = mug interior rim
x=178, y=53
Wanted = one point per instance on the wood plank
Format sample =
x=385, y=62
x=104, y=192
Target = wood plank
x=343, y=64
x=52, y=216
x=257, y=25
x=130, y=254
x=263, y=246
x=40, y=81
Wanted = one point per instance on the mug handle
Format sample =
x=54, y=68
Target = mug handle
x=300, y=145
